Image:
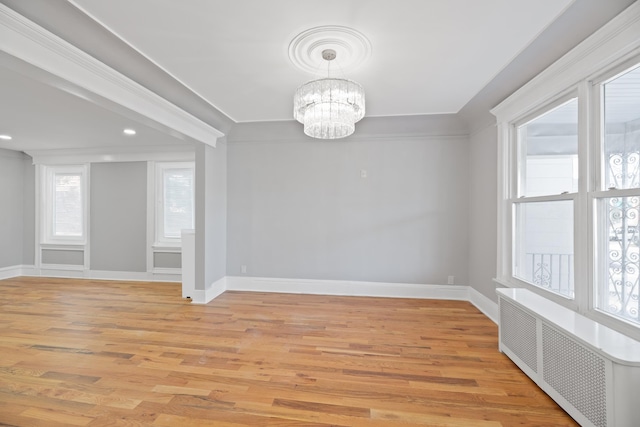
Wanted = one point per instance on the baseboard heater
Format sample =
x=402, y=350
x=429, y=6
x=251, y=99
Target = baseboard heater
x=591, y=371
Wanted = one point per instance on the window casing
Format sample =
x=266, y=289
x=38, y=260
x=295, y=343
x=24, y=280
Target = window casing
x=616, y=200
x=544, y=197
x=175, y=201
x=64, y=196
x=569, y=202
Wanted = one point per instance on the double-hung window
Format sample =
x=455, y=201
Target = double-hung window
x=64, y=196
x=175, y=201
x=544, y=202
x=569, y=206
x=569, y=179
x=616, y=199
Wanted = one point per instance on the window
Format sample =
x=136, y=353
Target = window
x=547, y=172
x=569, y=180
x=174, y=200
x=64, y=196
x=618, y=206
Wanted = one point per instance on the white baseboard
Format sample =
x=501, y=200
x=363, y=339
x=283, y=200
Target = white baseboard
x=13, y=271
x=215, y=290
x=368, y=289
x=266, y=284
x=346, y=288
x=74, y=272
x=484, y=304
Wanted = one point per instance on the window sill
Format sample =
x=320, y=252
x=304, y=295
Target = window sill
x=63, y=246
x=167, y=247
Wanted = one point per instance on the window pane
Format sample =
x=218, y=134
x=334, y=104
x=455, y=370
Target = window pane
x=622, y=130
x=619, y=257
x=178, y=201
x=67, y=205
x=550, y=147
x=544, y=245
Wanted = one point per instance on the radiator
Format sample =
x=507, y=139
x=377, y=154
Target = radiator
x=591, y=371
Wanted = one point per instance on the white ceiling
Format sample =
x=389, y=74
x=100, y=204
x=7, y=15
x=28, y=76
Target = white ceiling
x=428, y=57
x=42, y=113
x=235, y=53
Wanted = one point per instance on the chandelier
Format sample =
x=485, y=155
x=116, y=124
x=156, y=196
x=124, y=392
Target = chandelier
x=329, y=108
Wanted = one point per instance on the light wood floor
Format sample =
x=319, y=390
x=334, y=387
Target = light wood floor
x=100, y=353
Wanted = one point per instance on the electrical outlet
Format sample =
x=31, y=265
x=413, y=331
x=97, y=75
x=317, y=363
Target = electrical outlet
x=450, y=280
x=243, y=268
x=363, y=173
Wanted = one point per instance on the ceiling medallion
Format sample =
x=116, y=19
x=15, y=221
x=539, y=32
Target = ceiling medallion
x=329, y=107
x=351, y=47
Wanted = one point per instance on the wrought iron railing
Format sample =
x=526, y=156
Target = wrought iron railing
x=551, y=271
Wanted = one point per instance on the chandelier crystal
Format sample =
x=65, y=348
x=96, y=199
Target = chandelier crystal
x=329, y=107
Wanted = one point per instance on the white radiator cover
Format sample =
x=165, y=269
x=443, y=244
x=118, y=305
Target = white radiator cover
x=591, y=371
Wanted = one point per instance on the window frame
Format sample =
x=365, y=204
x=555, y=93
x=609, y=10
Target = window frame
x=598, y=192
x=513, y=176
x=47, y=236
x=584, y=74
x=160, y=240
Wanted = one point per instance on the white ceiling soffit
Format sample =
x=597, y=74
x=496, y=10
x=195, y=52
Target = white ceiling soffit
x=427, y=56
x=74, y=96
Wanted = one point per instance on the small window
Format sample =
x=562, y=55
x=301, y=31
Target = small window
x=175, y=200
x=64, y=197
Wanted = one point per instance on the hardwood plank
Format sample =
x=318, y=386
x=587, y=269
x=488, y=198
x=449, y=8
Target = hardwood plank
x=111, y=353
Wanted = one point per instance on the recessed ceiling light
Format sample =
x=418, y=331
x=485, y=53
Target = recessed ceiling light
x=129, y=132
x=6, y=137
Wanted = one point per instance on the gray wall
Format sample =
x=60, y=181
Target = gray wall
x=118, y=216
x=62, y=257
x=167, y=260
x=28, y=211
x=483, y=178
x=298, y=207
x=211, y=214
x=12, y=184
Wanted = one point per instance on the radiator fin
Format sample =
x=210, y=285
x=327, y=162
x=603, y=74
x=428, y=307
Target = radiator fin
x=518, y=333
x=576, y=373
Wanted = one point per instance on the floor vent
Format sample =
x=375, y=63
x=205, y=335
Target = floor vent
x=591, y=371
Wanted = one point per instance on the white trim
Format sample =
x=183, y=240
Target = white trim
x=167, y=271
x=608, y=51
x=264, y=284
x=11, y=154
x=347, y=288
x=47, y=195
x=76, y=272
x=216, y=289
x=391, y=138
x=161, y=242
x=116, y=275
x=62, y=267
x=613, y=43
x=11, y=271
x=167, y=248
x=487, y=306
x=135, y=276
x=115, y=154
x=33, y=44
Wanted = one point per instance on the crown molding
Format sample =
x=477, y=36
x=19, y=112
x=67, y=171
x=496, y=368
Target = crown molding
x=25, y=40
x=616, y=42
x=116, y=154
x=11, y=154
